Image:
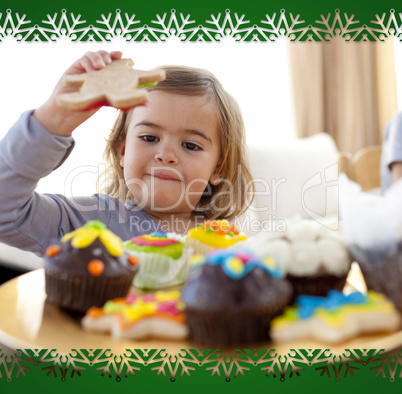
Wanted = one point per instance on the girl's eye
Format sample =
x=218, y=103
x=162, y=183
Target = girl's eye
x=149, y=138
x=191, y=146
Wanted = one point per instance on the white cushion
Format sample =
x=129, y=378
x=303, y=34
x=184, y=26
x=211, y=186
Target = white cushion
x=18, y=259
x=295, y=178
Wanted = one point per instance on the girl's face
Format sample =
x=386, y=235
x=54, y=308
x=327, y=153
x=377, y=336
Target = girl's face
x=171, y=151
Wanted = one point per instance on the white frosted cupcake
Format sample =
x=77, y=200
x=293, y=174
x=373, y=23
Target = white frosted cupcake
x=313, y=258
x=162, y=259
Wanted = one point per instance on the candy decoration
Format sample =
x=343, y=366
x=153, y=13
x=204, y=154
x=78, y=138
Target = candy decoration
x=96, y=267
x=92, y=230
x=220, y=227
x=132, y=260
x=216, y=234
x=52, y=250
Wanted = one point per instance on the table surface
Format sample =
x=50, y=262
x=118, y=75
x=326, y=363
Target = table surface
x=29, y=322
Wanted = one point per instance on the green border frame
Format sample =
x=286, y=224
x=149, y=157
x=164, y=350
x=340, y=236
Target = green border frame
x=47, y=371
x=259, y=20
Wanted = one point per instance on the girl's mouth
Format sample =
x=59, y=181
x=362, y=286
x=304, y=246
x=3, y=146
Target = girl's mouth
x=164, y=176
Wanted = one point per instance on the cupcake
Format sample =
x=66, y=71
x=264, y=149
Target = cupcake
x=313, y=258
x=163, y=259
x=335, y=318
x=231, y=297
x=159, y=315
x=87, y=268
x=213, y=234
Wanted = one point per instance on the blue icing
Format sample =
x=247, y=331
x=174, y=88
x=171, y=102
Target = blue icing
x=235, y=270
x=159, y=235
x=308, y=305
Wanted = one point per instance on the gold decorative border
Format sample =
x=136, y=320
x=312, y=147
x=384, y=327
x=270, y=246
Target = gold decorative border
x=227, y=365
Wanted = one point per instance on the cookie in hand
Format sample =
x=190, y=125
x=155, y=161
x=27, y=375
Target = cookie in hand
x=115, y=85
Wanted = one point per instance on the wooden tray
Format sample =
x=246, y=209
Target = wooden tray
x=29, y=322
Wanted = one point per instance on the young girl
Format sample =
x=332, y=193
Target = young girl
x=173, y=163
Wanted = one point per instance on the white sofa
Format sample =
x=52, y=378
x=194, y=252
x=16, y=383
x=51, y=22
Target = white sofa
x=296, y=178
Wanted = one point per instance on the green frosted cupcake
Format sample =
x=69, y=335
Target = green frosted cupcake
x=162, y=258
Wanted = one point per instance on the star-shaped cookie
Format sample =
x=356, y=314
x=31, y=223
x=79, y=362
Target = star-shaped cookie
x=115, y=85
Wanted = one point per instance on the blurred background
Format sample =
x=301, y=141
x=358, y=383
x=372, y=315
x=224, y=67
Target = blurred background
x=287, y=91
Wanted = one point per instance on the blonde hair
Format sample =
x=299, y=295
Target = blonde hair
x=234, y=194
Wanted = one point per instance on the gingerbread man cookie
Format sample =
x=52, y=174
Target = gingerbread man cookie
x=115, y=85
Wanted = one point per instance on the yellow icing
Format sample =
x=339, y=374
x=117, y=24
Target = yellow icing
x=197, y=259
x=218, y=235
x=236, y=264
x=112, y=242
x=140, y=309
x=164, y=296
x=269, y=263
x=84, y=236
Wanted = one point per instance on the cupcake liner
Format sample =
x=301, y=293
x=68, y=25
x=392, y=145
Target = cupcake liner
x=79, y=293
x=157, y=271
x=318, y=285
x=199, y=247
x=225, y=328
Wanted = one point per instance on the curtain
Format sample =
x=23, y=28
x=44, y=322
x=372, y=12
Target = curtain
x=347, y=89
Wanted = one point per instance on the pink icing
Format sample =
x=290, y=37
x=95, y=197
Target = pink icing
x=130, y=299
x=148, y=297
x=153, y=242
x=168, y=307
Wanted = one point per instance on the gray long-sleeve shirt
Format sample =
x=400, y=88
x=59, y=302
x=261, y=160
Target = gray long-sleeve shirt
x=31, y=221
x=391, y=149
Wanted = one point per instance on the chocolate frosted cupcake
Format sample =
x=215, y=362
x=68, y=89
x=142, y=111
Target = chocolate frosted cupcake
x=312, y=257
x=87, y=268
x=231, y=297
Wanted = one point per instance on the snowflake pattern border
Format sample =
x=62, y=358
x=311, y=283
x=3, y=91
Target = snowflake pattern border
x=186, y=362
x=176, y=26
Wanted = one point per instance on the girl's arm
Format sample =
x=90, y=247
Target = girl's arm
x=61, y=121
x=31, y=150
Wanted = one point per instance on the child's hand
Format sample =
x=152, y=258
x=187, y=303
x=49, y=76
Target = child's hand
x=61, y=121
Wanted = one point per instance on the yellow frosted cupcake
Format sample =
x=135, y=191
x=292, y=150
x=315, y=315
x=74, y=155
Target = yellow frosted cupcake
x=213, y=234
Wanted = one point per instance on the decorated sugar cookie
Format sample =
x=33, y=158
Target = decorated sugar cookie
x=159, y=315
x=335, y=318
x=116, y=85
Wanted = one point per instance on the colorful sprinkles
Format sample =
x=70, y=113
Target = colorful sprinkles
x=237, y=263
x=154, y=239
x=135, y=307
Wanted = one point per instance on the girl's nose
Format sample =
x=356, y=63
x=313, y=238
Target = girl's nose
x=166, y=155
